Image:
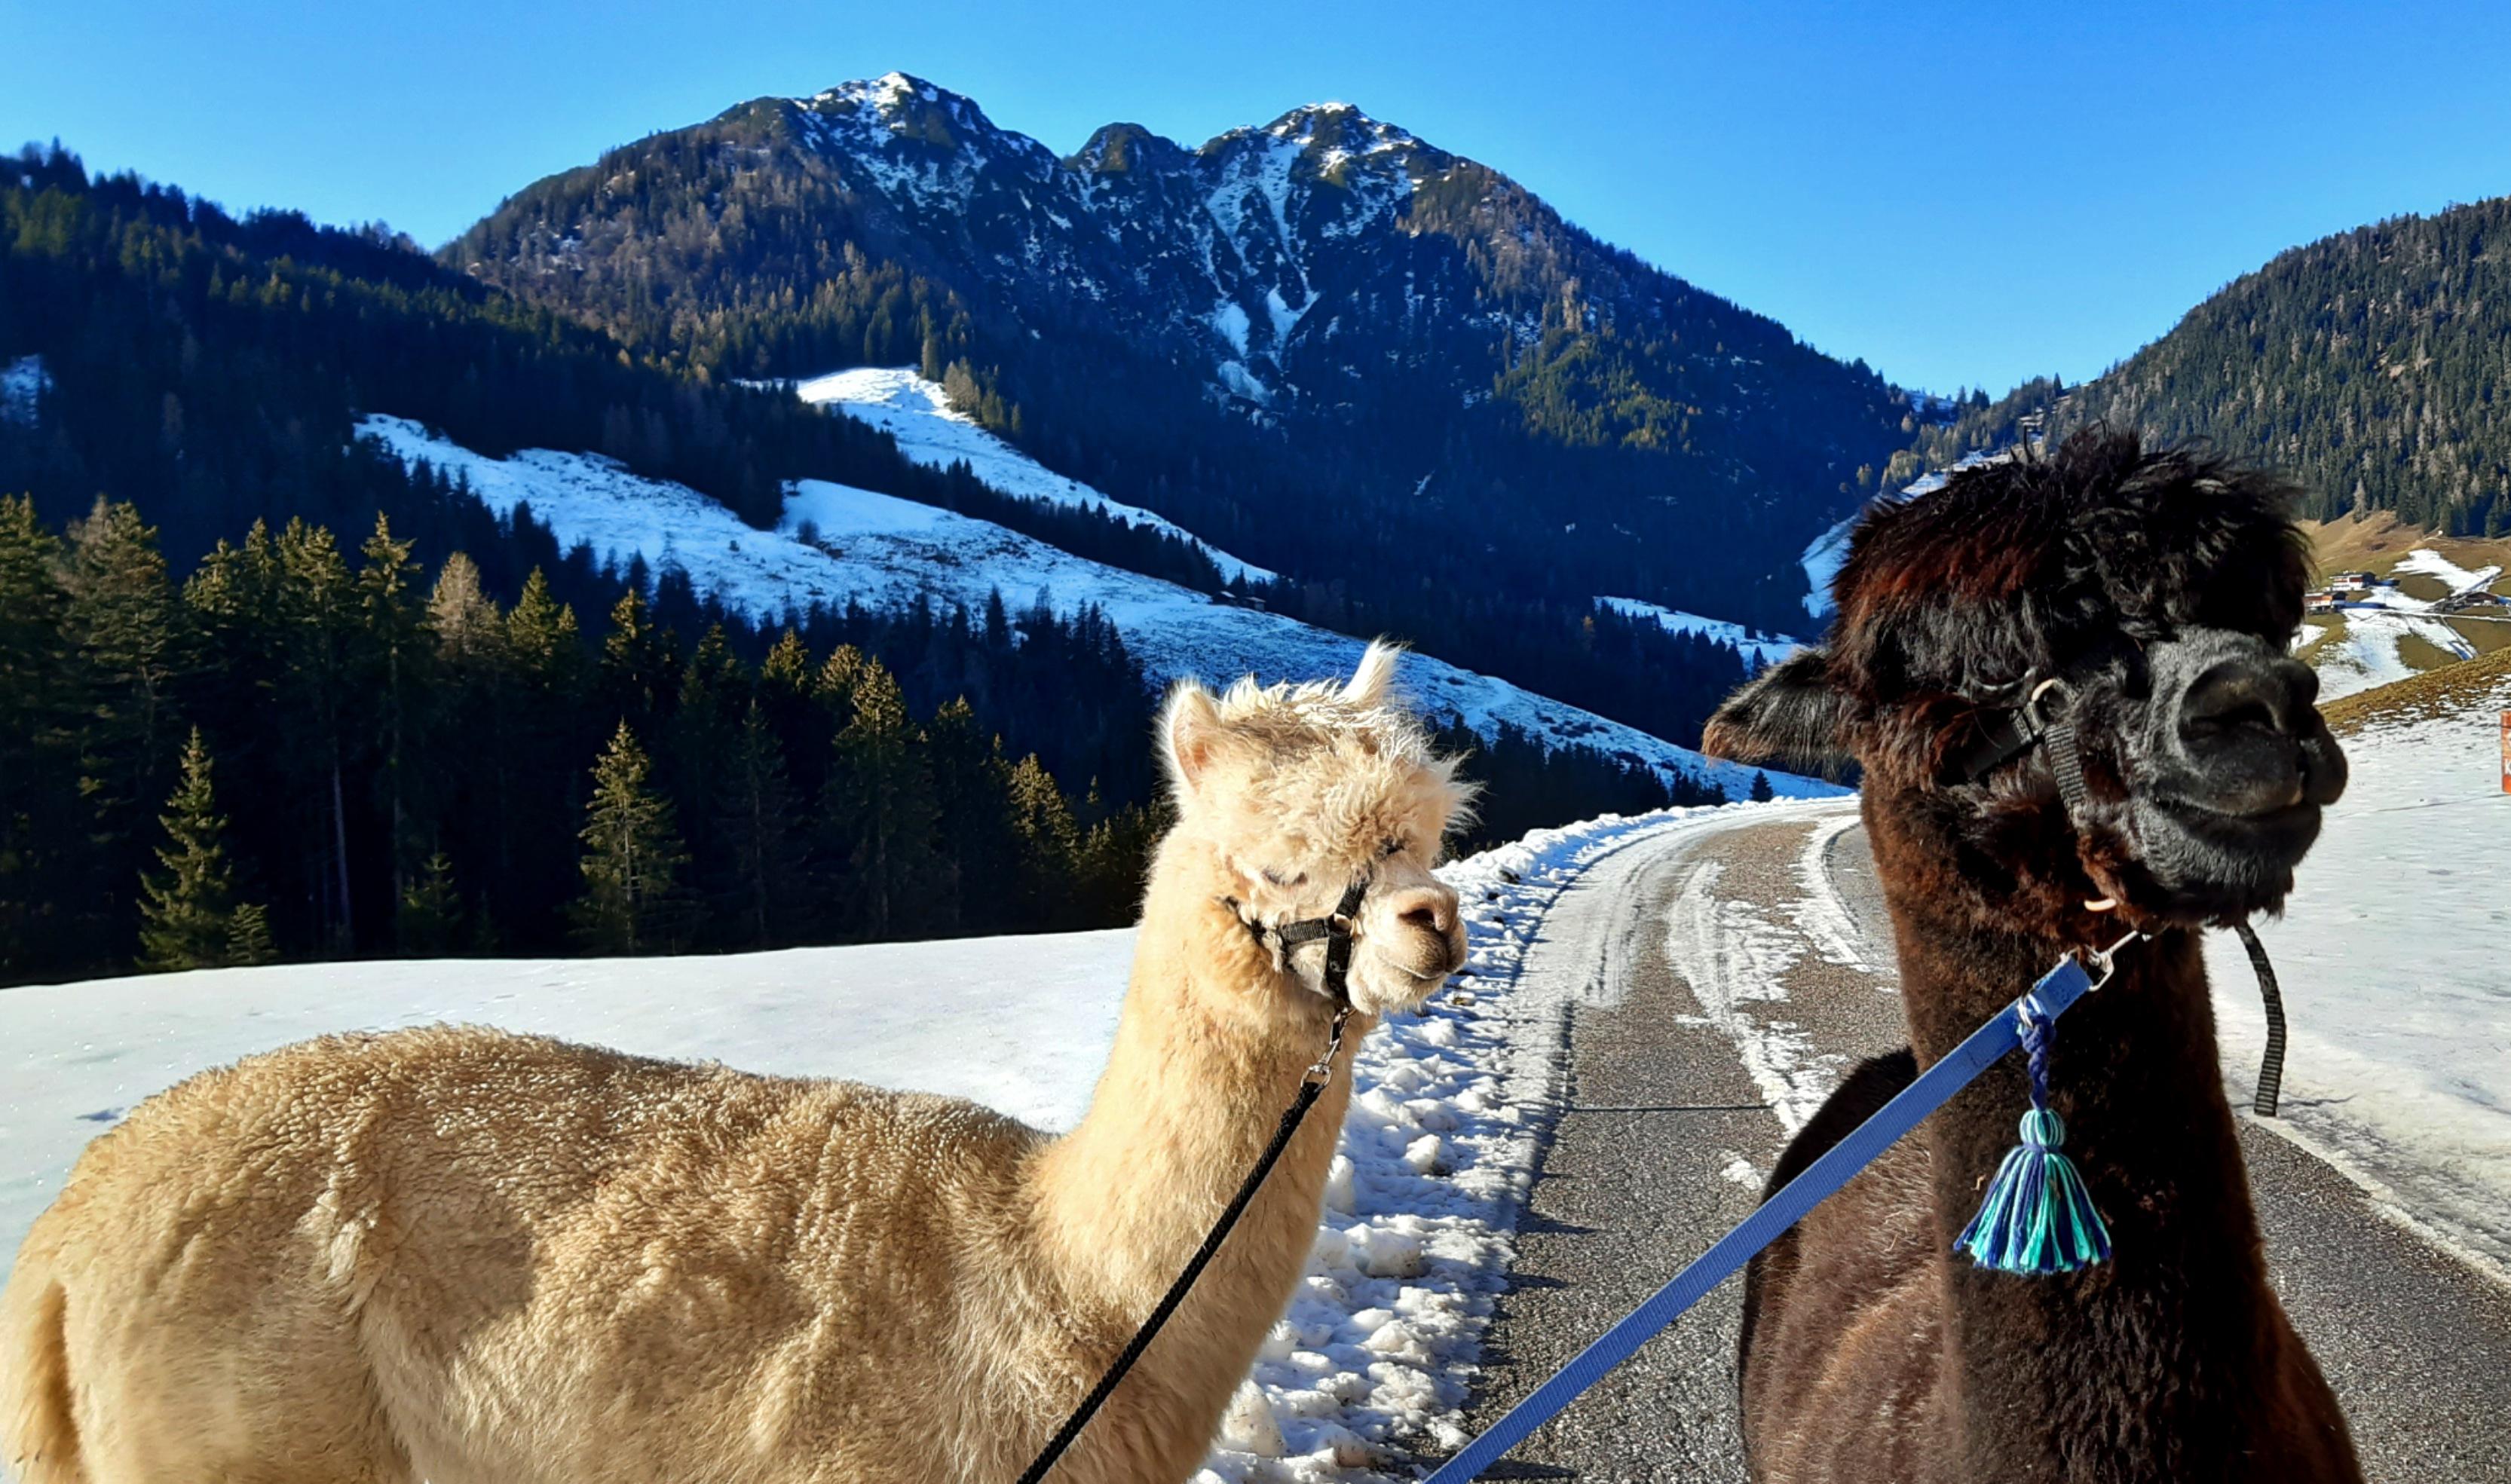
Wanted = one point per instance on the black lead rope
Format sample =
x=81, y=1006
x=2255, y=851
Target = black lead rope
x=1338, y=932
x=2270, y=1065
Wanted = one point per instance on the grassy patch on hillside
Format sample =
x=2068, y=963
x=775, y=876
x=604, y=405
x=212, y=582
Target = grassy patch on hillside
x=2479, y=687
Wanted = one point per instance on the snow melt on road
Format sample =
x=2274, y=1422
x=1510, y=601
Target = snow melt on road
x=901, y=404
x=1377, y=1349
x=838, y=544
x=2394, y=955
x=1757, y=649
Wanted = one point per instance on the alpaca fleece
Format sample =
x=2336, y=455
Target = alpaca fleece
x=478, y=1258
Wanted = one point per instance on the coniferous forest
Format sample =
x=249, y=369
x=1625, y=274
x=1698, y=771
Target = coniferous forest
x=311, y=749
x=2374, y=366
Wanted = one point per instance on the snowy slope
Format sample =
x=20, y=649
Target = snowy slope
x=22, y=385
x=1825, y=554
x=2396, y=981
x=1757, y=651
x=884, y=552
x=2364, y=655
x=1380, y=1338
x=930, y=431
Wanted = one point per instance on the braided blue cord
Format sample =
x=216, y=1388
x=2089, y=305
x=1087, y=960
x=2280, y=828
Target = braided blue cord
x=2058, y=989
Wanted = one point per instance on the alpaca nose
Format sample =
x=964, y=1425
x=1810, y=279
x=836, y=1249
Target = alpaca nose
x=2247, y=725
x=2243, y=692
x=1430, y=909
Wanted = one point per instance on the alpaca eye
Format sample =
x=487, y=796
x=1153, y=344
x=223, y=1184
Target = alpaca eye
x=1393, y=848
x=1277, y=879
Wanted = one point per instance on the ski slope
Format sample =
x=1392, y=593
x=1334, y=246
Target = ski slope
x=838, y=544
x=901, y=404
x=1381, y=1340
x=2394, y=956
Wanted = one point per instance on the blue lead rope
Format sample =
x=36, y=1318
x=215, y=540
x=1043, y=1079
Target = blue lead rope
x=2058, y=990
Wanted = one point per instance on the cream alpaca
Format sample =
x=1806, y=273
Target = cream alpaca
x=477, y=1258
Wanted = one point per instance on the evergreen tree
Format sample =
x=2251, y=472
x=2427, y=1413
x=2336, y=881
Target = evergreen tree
x=123, y=618
x=186, y=915
x=318, y=690
x=632, y=858
x=1048, y=845
x=885, y=812
x=1761, y=792
x=392, y=648
x=39, y=817
x=757, y=892
x=248, y=939
x=430, y=921
x=639, y=673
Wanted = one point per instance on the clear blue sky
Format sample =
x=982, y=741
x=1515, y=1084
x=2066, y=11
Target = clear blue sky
x=1961, y=194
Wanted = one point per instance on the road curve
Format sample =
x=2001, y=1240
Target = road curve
x=1721, y=980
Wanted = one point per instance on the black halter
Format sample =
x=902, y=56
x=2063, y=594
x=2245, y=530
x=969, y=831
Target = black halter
x=1338, y=930
x=2008, y=732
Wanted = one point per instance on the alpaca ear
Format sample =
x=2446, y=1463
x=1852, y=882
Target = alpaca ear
x=1368, y=684
x=1790, y=713
x=1191, y=727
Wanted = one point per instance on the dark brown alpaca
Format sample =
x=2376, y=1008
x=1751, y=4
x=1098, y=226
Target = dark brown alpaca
x=2160, y=589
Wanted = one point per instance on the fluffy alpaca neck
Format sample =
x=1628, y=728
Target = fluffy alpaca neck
x=1208, y=1052
x=2168, y=1361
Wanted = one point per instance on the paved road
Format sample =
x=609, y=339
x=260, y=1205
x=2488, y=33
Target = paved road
x=1670, y=1114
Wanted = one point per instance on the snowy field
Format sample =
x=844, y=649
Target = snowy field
x=2394, y=955
x=1379, y=1342
x=1757, y=649
x=884, y=552
x=901, y=404
x=2366, y=654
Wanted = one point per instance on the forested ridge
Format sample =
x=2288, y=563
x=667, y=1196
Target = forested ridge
x=304, y=751
x=2374, y=365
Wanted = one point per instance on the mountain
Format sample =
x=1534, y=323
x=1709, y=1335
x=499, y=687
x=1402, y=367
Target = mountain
x=1390, y=373
x=2374, y=364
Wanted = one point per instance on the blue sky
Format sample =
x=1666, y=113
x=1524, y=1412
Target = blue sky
x=1961, y=194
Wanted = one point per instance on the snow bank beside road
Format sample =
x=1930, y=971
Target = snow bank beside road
x=2394, y=955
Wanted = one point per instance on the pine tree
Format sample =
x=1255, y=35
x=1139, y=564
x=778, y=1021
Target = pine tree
x=124, y=621
x=1049, y=846
x=39, y=828
x=465, y=622
x=185, y=913
x=249, y=941
x=318, y=614
x=885, y=812
x=430, y=922
x=757, y=828
x=1760, y=793
x=392, y=654
x=632, y=858
x=639, y=673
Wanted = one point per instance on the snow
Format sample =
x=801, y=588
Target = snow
x=23, y=382
x=1755, y=651
x=2366, y=654
x=1827, y=552
x=1378, y=1345
x=930, y=432
x=2427, y=562
x=2391, y=957
x=886, y=553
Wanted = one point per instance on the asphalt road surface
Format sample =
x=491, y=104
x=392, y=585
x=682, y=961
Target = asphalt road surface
x=1679, y=1070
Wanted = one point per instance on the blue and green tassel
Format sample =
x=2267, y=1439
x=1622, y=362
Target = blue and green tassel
x=2038, y=1217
